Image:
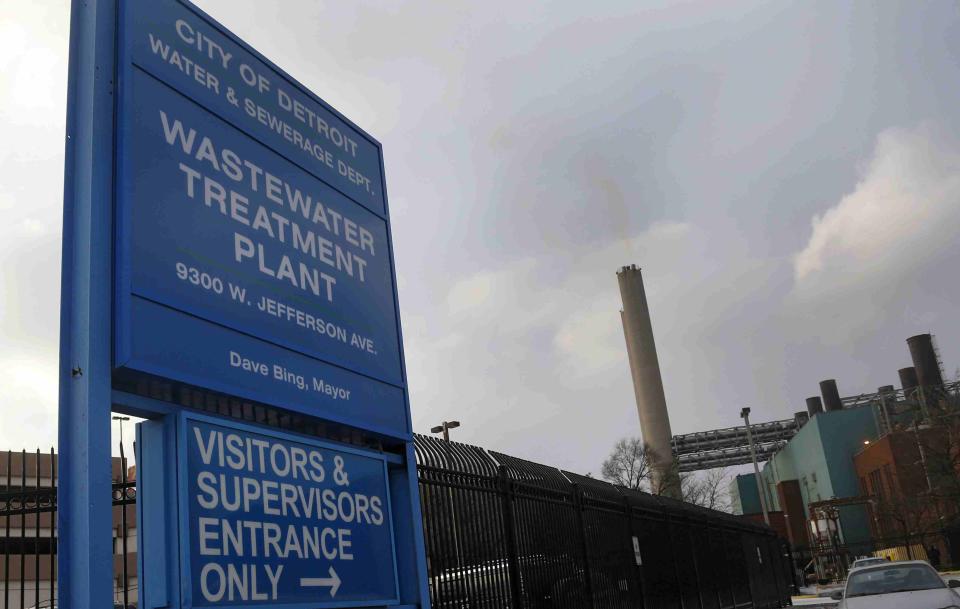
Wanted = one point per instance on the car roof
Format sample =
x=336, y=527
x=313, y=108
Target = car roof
x=898, y=563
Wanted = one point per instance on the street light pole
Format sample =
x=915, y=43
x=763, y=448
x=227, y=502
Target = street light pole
x=745, y=414
x=123, y=516
x=445, y=430
x=121, y=419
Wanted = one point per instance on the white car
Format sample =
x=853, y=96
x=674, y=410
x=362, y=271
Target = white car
x=909, y=584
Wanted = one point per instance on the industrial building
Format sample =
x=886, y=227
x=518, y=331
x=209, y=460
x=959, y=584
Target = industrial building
x=846, y=477
x=903, y=473
x=815, y=465
x=870, y=474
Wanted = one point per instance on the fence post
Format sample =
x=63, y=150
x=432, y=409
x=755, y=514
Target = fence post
x=578, y=505
x=788, y=549
x=745, y=563
x=672, y=535
x=510, y=535
x=690, y=533
x=638, y=569
x=6, y=537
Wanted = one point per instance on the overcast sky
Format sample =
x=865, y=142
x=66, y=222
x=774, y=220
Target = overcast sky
x=786, y=174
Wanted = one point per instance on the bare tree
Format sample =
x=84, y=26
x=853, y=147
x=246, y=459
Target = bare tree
x=924, y=498
x=628, y=465
x=913, y=516
x=708, y=489
x=940, y=460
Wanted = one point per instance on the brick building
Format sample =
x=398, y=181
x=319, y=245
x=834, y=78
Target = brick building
x=902, y=472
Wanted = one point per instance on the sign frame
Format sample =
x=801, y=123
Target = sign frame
x=182, y=507
x=125, y=298
x=91, y=387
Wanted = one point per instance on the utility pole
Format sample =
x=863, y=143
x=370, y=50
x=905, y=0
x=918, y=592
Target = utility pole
x=745, y=414
x=445, y=430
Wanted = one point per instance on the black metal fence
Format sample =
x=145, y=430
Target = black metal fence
x=27, y=516
x=829, y=560
x=28, y=536
x=500, y=532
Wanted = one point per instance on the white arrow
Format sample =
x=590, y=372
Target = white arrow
x=321, y=582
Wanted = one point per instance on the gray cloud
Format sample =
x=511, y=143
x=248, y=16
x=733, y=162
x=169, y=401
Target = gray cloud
x=898, y=217
x=761, y=161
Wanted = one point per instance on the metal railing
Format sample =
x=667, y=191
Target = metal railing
x=502, y=532
x=28, y=531
x=731, y=437
x=729, y=446
x=27, y=523
x=830, y=558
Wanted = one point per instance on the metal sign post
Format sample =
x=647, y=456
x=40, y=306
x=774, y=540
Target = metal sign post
x=84, y=542
x=227, y=235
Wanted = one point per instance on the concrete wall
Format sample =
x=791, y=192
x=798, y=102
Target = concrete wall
x=802, y=459
x=744, y=498
x=820, y=458
x=843, y=438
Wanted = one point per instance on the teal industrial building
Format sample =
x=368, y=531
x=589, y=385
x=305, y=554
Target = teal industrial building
x=816, y=465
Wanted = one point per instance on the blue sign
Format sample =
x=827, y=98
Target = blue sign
x=279, y=520
x=226, y=229
x=254, y=253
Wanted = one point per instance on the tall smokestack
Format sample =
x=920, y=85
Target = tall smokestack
x=908, y=378
x=831, y=396
x=925, y=360
x=647, y=383
x=814, y=406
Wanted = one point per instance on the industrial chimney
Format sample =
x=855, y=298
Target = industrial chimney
x=908, y=378
x=831, y=396
x=647, y=383
x=814, y=405
x=925, y=360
